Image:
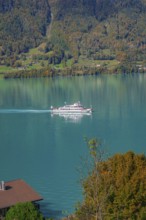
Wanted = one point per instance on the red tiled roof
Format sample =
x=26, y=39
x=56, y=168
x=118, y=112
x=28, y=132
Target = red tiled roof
x=17, y=191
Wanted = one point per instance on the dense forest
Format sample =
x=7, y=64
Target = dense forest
x=110, y=34
x=23, y=24
x=101, y=29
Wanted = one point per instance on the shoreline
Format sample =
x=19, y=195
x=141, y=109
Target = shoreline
x=70, y=71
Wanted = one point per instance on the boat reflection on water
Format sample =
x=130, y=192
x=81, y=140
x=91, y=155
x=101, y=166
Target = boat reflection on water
x=74, y=118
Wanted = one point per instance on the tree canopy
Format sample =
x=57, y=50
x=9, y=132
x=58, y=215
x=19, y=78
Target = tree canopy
x=90, y=28
x=115, y=189
x=23, y=211
x=23, y=24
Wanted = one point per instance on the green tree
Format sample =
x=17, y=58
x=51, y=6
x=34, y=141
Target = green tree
x=94, y=193
x=115, y=188
x=23, y=211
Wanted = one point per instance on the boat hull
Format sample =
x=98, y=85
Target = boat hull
x=58, y=111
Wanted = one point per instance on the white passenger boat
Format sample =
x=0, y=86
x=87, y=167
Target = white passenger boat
x=75, y=108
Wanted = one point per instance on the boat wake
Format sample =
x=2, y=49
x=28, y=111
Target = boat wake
x=15, y=111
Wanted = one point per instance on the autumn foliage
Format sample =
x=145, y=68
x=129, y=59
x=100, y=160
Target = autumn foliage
x=115, y=189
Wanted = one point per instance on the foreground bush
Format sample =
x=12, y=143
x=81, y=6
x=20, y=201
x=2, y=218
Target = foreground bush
x=115, y=188
x=24, y=211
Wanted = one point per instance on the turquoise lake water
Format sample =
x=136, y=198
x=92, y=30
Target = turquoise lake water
x=46, y=151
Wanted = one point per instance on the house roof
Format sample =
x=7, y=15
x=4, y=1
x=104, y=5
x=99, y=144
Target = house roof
x=17, y=191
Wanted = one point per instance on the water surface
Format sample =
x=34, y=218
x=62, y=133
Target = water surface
x=46, y=150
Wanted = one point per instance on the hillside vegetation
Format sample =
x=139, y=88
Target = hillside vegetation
x=23, y=25
x=95, y=35
x=101, y=29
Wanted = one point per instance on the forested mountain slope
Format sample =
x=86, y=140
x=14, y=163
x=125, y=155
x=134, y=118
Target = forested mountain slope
x=74, y=31
x=101, y=28
x=23, y=24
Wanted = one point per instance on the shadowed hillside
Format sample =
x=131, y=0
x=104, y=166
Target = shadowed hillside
x=22, y=24
x=110, y=34
x=101, y=28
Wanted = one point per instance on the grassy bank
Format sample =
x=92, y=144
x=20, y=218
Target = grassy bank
x=38, y=63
